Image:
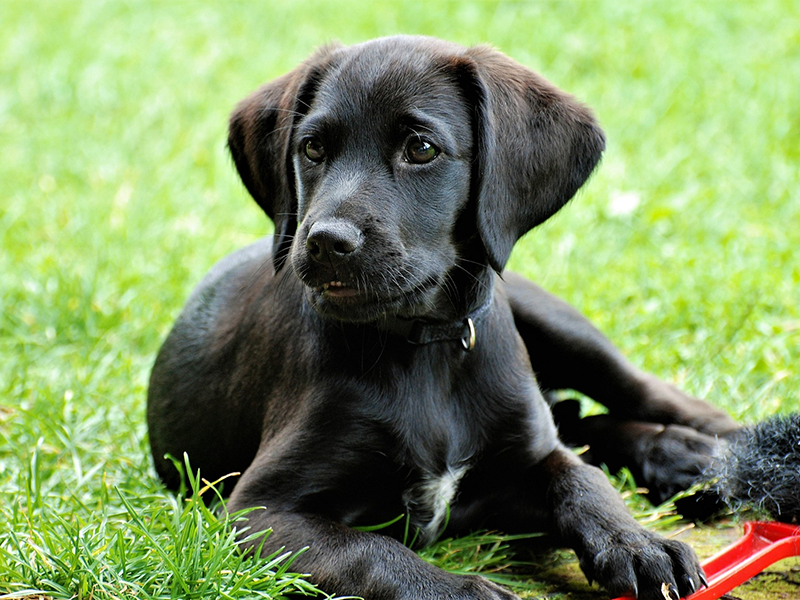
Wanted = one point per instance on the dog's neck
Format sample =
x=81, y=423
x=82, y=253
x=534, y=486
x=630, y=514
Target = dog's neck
x=462, y=323
x=422, y=331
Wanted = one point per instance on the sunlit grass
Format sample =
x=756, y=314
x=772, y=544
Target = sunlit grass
x=116, y=195
x=123, y=543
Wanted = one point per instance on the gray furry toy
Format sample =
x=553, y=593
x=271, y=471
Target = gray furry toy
x=760, y=469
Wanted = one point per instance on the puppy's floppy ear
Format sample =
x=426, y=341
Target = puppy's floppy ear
x=259, y=139
x=536, y=145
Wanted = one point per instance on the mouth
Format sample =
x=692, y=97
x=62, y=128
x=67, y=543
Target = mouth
x=337, y=289
x=346, y=301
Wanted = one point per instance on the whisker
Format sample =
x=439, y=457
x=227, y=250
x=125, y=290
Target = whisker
x=474, y=277
x=290, y=111
x=299, y=101
x=423, y=127
x=461, y=259
x=275, y=130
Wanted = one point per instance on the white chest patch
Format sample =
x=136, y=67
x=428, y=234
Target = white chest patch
x=428, y=502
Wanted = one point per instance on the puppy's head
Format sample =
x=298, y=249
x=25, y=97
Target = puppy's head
x=391, y=166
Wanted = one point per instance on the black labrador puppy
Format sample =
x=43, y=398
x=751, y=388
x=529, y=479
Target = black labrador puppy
x=373, y=359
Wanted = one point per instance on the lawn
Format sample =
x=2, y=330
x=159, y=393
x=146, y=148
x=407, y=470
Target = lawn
x=116, y=195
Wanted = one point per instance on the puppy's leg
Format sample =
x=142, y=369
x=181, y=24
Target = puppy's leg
x=614, y=550
x=285, y=483
x=666, y=459
x=568, y=352
x=346, y=562
x=663, y=435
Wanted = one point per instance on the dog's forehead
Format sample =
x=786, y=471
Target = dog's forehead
x=394, y=78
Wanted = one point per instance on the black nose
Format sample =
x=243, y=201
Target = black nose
x=332, y=241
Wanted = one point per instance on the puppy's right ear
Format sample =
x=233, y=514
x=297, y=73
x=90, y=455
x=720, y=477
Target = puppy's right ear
x=535, y=146
x=259, y=139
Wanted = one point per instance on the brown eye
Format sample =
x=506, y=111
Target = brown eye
x=420, y=151
x=314, y=150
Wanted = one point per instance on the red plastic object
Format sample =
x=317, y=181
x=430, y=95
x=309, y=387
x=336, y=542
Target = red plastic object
x=762, y=545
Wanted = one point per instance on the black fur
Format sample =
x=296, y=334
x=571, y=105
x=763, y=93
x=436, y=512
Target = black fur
x=399, y=173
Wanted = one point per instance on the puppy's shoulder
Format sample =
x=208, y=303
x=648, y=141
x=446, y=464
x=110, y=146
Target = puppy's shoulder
x=224, y=296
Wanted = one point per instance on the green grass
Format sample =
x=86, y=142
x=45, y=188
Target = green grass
x=116, y=195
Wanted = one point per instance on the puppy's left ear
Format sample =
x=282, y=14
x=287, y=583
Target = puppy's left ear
x=536, y=145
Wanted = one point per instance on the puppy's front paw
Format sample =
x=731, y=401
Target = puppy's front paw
x=645, y=565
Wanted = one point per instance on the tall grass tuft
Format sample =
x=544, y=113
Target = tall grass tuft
x=154, y=547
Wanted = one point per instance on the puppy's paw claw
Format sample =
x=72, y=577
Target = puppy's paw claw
x=648, y=567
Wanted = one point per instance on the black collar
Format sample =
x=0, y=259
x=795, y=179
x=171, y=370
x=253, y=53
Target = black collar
x=421, y=331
